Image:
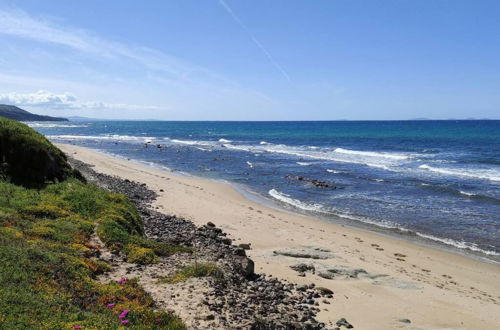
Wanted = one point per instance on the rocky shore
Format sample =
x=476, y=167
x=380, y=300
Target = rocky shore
x=237, y=298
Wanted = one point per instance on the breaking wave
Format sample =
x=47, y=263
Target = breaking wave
x=476, y=174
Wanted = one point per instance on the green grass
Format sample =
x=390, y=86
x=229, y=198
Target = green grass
x=27, y=158
x=47, y=276
x=194, y=270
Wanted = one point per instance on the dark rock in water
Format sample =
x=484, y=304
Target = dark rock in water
x=314, y=182
x=302, y=268
x=343, y=323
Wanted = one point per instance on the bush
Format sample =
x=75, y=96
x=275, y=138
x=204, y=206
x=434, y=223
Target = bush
x=27, y=158
x=140, y=255
x=194, y=270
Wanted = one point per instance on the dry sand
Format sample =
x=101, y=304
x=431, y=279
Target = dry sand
x=432, y=288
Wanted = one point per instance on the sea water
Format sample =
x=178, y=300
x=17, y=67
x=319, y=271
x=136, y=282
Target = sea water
x=435, y=180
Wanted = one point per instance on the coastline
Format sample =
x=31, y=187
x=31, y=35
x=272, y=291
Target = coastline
x=431, y=287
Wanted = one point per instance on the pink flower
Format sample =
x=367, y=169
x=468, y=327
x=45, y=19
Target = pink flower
x=123, y=280
x=158, y=320
x=124, y=314
x=118, y=243
x=125, y=321
x=111, y=305
x=77, y=327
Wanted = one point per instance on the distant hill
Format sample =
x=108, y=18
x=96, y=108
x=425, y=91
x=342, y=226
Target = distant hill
x=13, y=112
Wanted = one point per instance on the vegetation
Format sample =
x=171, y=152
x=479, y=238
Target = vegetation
x=47, y=269
x=27, y=158
x=47, y=274
x=194, y=270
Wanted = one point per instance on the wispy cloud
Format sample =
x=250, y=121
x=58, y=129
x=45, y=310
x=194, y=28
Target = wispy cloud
x=65, y=101
x=259, y=45
x=20, y=24
x=47, y=54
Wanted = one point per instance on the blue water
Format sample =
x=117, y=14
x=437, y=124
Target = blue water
x=435, y=180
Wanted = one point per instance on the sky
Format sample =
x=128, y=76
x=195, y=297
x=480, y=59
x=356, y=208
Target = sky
x=252, y=60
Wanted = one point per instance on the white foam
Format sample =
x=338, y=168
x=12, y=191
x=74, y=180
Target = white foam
x=334, y=171
x=191, y=142
x=304, y=163
x=52, y=125
x=250, y=164
x=241, y=148
x=467, y=193
x=458, y=244
x=109, y=137
x=264, y=142
x=295, y=202
x=486, y=174
x=225, y=141
x=372, y=154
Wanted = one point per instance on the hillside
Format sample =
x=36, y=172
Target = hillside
x=50, y=241
x=13, y=112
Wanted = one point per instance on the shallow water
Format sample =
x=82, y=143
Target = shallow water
x=436, y=179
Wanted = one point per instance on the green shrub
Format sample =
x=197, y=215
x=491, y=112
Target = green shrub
x=194, y=270
x=27, y=158
x=140, y=255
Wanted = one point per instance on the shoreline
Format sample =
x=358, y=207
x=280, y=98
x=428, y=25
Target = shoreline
x=403, y=234
x=432, y=288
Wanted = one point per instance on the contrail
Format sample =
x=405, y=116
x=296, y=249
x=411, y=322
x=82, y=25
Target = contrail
x=254, y=39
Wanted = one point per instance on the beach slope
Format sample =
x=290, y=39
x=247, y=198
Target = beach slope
x=379, y=282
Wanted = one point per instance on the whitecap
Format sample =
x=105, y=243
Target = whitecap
x=476, y=173
x=52, y=125
x=372, y=154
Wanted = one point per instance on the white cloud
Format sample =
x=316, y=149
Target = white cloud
x=65, y=101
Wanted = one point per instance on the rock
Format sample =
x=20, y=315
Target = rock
x=302, y=287
x=301, y=274
x=302, y=268
x=210, y=317
x=161, y=190
x=324, y=291
x=343, y=323
x=244, y=246
x=246, y=266
x=404, y=321
x=210, y=224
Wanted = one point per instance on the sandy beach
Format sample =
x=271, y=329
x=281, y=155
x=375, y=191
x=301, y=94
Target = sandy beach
x=379, y=282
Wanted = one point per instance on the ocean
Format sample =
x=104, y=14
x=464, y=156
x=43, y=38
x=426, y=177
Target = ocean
x=434, y=181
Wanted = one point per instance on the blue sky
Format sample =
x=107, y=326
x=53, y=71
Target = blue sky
x=252, y=60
